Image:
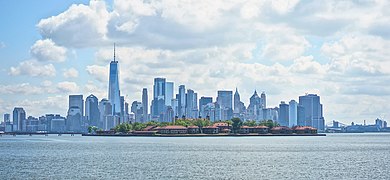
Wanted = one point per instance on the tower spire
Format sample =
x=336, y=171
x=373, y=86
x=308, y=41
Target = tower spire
x=114, y=53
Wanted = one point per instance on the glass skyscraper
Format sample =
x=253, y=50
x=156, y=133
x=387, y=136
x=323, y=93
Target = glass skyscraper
x=313, y=111
x=113, y=87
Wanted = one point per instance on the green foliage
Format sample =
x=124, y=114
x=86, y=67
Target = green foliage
x=137, y=126
x=236, y=124
x=123, y=128
x=269, y=123
x=92, y=129
x=250, y=123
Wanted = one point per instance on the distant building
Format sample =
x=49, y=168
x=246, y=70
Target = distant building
x=283, y=114
x=106, y=117
x=168, y=93
x=293, y=113
x=92, y=114
x=19, y=119
x=181, y=101
x=203, y=102
x=58, y=125
x=225, y=100
x=145, y=105
x=191, y=104
x=7, y=118
x=113, y=87
x=313, y=111
x=255, y=108
x=74, y=122
x=137, y=109
x=159, y=96
x=239, y=106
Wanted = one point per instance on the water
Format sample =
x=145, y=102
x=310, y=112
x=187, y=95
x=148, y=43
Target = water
x=337, y=156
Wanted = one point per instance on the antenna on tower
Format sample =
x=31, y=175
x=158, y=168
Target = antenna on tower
x=114, y=52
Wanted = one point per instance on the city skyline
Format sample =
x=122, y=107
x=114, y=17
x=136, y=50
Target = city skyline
x=44, y=59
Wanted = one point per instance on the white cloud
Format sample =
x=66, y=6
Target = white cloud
x=33, y=68
x=47, y=50
x=79, y=26
x=71, y=73
x=68, y=87
x=2, y=45
x=100, y=73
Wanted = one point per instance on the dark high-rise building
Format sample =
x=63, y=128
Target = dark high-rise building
x=264, y=100
x=92, y=114
x=77, y=101
x=301, y=115
x=145, y=105
x=113, y=87
x=239, y=106
x=137, y=109
x=181, y=101
x=283, y=114
x=19, y=119
x=313, y=111
x=7, y=118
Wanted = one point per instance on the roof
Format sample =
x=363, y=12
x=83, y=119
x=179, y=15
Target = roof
x=210, y=127
x=245, y=127
x=302, y=128
x=260, y=127
x=149, y=128
x=193, y=127
x=221, y=124
x=280, y=128
x=174, y=127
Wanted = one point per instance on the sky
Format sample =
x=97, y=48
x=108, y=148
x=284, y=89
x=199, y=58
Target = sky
x=286, y=48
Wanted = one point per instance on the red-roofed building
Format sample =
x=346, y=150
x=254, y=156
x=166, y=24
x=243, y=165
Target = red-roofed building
x=281, y=130
x=304, y=130
x=210, y=130
x=260, y=129
x=245, y=129
x=221, y=126
x=172, y=130
x=193, y=130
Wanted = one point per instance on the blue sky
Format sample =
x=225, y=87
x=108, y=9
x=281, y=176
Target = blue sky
x=337, y=49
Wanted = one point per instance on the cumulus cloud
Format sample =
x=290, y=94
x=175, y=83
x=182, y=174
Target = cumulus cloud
x=47, y=50
x=33, y=68
x=71, y=73
x=67, y=87
x=79, y=26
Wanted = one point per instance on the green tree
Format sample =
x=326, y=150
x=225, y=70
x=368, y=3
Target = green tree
x=137, y=126
x=92, y=129
x=201, y=123
x=236, y=124
x=250, y=123
x=123, y=128
x=269, y=123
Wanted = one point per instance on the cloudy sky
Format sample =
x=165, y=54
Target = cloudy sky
x=337, y=49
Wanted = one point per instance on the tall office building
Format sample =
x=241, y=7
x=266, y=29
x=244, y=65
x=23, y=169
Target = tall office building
x=7, y=118
x=182, y=101
x=263, y=100
x=74, y=122
x=301, y=115
x=191, y=104
x=168, y=93
x=77, y=101
x=239, y=106
x=145, y=105
x=158, y=102
x=92, y=114
x=293, y=113
x=106, y=117
x=283, y=114
x=113, y=87
x=225, y=101
x=19, y=119
x=313, y=111
x=137, y=109
x=175, y=108
x=203, y=102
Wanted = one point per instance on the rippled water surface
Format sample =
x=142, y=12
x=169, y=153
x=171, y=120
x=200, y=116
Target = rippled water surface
x=336, y=156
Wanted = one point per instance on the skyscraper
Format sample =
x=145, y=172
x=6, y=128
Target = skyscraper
x=203, y=102
x=113, y=87
x=145, y=105
x=74, y=122
x=191, y=104
x=92, y=114
x=225, y=101
x=106, y=117
x=158, y=102
x=7, y=118
x=168, y=93
x=264, y=100
x=182, y=101
x=19, y=119
x=313, y=111
x=293, y=113
x=239, y=106
x=283, y=114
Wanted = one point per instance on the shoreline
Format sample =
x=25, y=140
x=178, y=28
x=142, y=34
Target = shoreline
x=200, y=135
